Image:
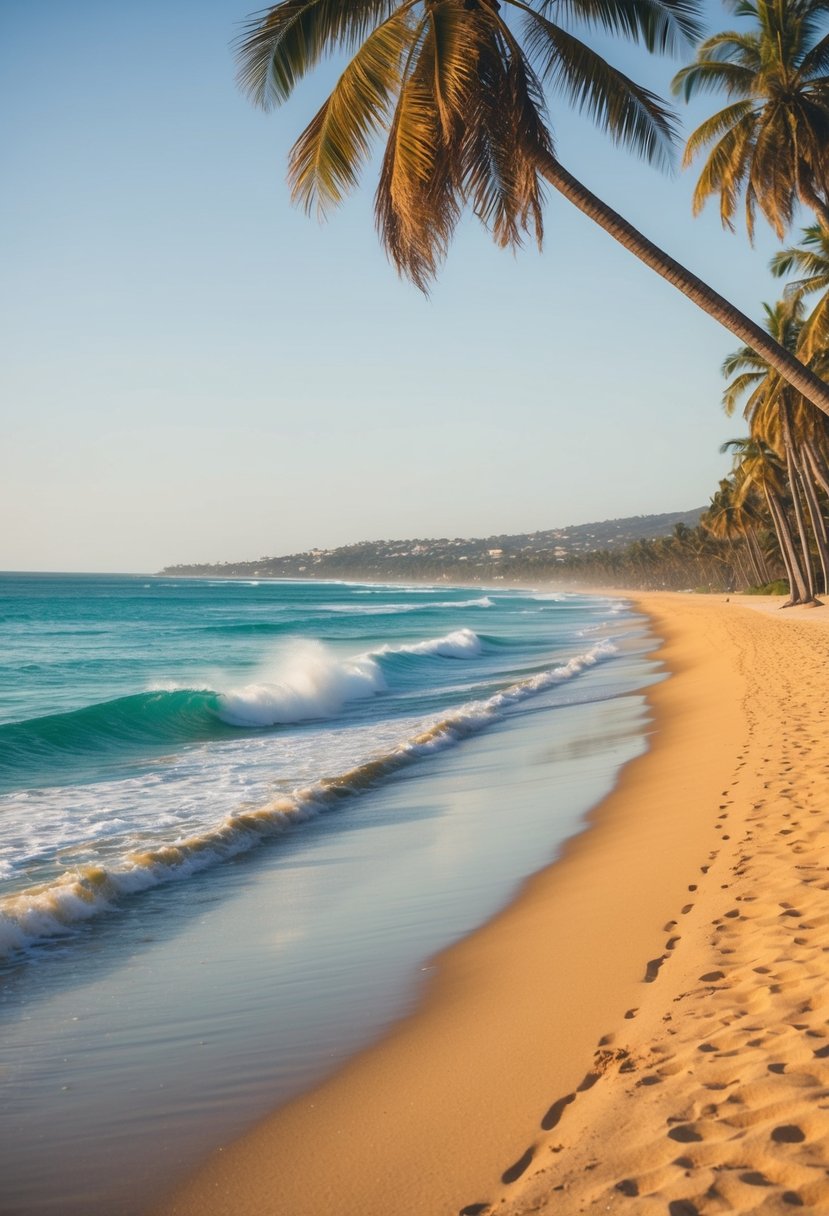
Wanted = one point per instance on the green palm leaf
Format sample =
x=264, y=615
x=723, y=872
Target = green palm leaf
x=732, y=78
x=714, y=127
x=505, y=138
x=281, y=44
x=418, y=203
x=816, y=61
x=326, y=159
x=662, y=25
x=455, y=31
x=741, y=385
x=724, y=171
x=776, y=74
x=632, y=115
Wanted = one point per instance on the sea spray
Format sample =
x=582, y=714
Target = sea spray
x=310, y=684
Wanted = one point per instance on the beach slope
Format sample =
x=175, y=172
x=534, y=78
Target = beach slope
x=642, y=1027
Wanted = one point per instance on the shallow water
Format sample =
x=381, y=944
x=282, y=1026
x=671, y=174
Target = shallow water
x=172, y=1018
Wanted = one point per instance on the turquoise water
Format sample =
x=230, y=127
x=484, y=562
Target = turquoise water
x=236, y=819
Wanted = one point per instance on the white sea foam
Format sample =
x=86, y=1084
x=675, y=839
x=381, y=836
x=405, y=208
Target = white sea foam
x=483, y=601
x=460, y=644
x=305, y=680
x=309, y=682
x=52, y=908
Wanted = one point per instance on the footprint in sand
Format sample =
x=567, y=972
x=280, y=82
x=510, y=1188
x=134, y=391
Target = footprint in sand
x=684, y=1134
x=788, y=1133
x=682, y=1207
x=628, y=1187
x=652, y=969
x=553, y=1115
x=519, y=1167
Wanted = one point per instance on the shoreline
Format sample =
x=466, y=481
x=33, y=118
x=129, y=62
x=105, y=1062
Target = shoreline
x=453, y=1110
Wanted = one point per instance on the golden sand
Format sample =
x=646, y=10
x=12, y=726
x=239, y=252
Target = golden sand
x=643, y=1029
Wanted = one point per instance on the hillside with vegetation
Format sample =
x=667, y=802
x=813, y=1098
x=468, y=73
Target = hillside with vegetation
x=550, y=553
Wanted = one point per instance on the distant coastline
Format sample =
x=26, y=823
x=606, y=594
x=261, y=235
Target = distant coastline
x=561, y=554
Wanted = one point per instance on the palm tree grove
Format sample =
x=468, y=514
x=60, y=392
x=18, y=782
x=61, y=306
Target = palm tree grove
x=457, y=94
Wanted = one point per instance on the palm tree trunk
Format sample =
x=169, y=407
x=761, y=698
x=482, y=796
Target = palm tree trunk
x=817, y=466
x=800, y=523
x=813, y=200
x=793, y=473
x=756, y=556
x=710, y=301
x=818, y=524
x=797, y=584
x=739, y=564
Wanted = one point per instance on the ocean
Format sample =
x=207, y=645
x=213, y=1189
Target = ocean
x=237, y=821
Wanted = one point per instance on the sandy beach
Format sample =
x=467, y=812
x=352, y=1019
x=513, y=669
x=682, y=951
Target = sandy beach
x=642, y=1028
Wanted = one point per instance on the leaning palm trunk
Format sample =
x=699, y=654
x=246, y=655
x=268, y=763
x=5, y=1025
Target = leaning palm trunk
x=794, y=474
x=758, y=561
x=818, y=526
x=798, y=591
x=817, y=519
x=460, y=101
x=800, y=523
x=739, y=565
x=710, y=301
x=817, y=466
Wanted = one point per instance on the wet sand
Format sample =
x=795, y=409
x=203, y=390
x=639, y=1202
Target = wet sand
x=641, y=1029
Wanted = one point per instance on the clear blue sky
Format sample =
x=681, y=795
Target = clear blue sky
x=195, y=371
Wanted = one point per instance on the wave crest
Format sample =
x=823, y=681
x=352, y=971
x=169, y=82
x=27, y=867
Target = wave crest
x=310, y=683
x=460, y=644
x=52, y=910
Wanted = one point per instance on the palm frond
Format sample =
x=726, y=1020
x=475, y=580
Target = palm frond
x=714, y=126
x=743, y=359
x=787, y=261
x=816, y=61
x=733, y=46
x=814, y=333
x=505, y=142
x=662, y=25
x=632, y=115
x=418, y=200
x=741, y=385
x=813, y=269
x=724, y=171
x=325, y=162
x=280, y=44
x=770, y=173
x=710, y=76
x=453, y=40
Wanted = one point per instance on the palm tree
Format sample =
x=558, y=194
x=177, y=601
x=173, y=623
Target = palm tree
x=810, y=262
x=734, y=516
x=759, y=469
x=772, y=410
x=770, y=145
x=458, y=90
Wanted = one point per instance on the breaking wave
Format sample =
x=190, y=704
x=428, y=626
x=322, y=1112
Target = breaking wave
x=51, y=910
x=305, y=682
